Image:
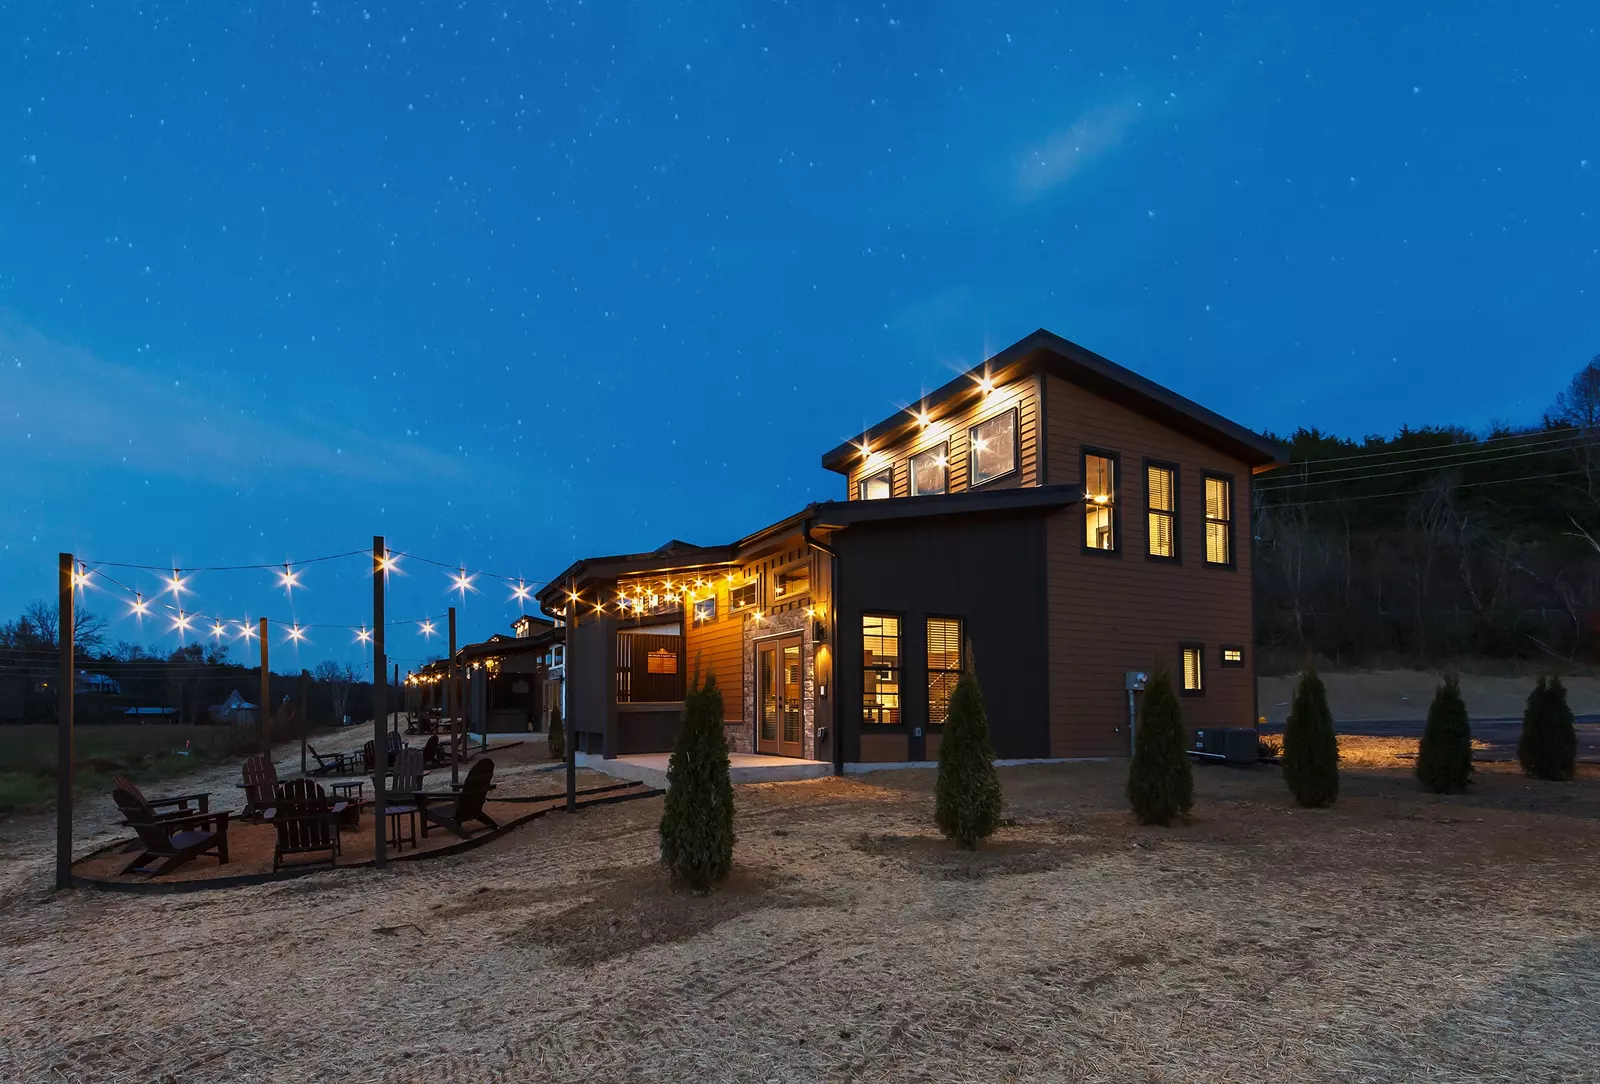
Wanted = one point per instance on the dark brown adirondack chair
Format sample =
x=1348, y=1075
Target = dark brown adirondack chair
x=408, y=774
x=260, y=785
x=180, y=801
x=307, y=821
x=170, y=841
x=330, y=763
x=453, y=811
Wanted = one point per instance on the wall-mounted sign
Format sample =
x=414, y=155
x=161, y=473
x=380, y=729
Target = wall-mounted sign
x=661, y=661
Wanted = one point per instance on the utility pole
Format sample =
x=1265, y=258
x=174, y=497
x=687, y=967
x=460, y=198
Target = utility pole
x=264, y=715
x=380, y=721
x=65, y=639
x=566, y=684
x=453, y=698
x=305, y=720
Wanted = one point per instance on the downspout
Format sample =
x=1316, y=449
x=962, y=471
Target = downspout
x=832, y=625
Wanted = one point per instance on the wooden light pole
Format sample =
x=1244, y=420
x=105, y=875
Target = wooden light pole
x=457, y=737
x=380, y=721
x=64, y=679
x=305, y=719
x=566, y=683
x=264, y=715
x=397, y=685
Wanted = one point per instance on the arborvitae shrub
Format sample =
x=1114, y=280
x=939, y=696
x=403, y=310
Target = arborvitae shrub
x=967, y=798
x=1548, y=748
x=1444, y=760
x=1160, y=779
x=697, y=822
x=1310, y=749
x=558, y=735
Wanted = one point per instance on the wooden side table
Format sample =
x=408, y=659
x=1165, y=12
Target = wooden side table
x=402, y=826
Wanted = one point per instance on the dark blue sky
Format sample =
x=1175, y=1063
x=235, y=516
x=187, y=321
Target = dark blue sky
x=512, y=284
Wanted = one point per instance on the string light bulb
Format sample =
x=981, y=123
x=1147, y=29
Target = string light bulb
x=246, y=630
x=218, y=629
x=140, y=606
x=296, y=633
x=427, y=629
x=80, y=577
x=520, y=592
x=364, y=635
x=288, y=579
x=176, y=584
x=182, y=622
x=462, y=583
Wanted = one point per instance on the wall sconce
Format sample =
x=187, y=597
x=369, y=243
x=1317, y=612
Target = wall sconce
x=819, y=632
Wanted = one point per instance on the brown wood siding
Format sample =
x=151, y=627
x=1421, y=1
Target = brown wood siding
x=716, y=647
x=883, y=748
x=931, y=747
x=953, y=429
x=1111, y=614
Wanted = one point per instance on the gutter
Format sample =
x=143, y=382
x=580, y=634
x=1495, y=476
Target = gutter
x=832, y=626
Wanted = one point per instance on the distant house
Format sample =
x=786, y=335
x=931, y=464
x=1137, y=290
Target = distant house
x=528, y=626
x=236, y=709
x=96, y=683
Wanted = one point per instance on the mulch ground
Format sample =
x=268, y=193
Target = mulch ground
x=1396, y=937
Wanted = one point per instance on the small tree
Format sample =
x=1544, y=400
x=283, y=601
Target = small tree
x=697, y=822
x=1444, y=760
x=1160, y=780
x=1548, y=748
x=558, y=734
x=1310, y=749
x=967, y=800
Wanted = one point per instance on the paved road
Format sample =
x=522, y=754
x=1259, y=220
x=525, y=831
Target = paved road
x=1501, y=733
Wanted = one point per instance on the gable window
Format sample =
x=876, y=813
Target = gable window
x=944, y=666
x=1219, y=520
x=1232, y=657
x=929, y=471
x=1194, y=667
x=878, y=486
x=994, y=448
x=1100, y=501
x=1161, y=490
x=742, y=597
x=880, y=670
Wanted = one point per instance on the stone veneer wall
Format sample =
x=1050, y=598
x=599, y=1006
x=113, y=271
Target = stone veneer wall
x=793, y=619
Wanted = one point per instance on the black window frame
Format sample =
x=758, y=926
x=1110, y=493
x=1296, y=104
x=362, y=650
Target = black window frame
x=1206, y=521
x=886, y=474
x=735, y=606
x=1176, y=557
x=972, y=449
x=1200, y=663
x=943, y=448
x=694, y=610
x=1222, y=656
x=899, y=670
x=1084, y=452
x=928, y=671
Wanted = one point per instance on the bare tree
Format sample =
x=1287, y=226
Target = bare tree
x=1578, y=406
x=43, y=619
x=339, y=679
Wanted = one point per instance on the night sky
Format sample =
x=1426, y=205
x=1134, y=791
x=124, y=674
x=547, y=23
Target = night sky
x=513, y=284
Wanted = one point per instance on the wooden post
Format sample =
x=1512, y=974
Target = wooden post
x=397, y=685
x=65, y=641
x=264, y=713
x=569, y=715
x=458, y=737
x=305, y=720
x=380, y=707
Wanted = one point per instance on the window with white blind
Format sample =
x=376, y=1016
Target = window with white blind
x=877, y=487
x=1194, y=669
x=1161, y=499
x=1219, y=520
x=944, y=665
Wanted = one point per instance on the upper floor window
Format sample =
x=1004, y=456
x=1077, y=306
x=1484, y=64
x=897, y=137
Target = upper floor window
x=1161, y=489
x=1219, y=520
x=792, y=582
x=878, y=486
x=929, y=471
x=743, y=596
x=1100, y=501
x=994, y=448
x=705, y=609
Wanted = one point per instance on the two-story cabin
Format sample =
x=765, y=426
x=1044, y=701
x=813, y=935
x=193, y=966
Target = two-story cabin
x=1060, y=518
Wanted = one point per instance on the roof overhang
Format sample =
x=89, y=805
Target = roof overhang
x=837, y=515
x=1046, y=352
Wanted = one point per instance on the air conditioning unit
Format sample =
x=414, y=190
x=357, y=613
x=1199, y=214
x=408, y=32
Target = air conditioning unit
x=1233, y=744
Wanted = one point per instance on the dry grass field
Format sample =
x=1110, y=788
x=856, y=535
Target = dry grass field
x=1397, y=937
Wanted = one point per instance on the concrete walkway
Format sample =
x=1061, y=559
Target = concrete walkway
x=651, y=768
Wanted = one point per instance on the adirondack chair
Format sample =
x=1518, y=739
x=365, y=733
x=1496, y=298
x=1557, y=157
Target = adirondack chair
x=453, y=811
x=307, y=821
x=168, y=842
x=409, y=772
x=330, y=763
x=369, y=756
x=181, y=801
x=260, y=785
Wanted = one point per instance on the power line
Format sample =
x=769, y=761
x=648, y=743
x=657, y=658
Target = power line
x=1570, y=432
x=1413, y=493
x=1283, y=484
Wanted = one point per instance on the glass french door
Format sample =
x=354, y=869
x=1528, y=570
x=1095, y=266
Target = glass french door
x=780, y=675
